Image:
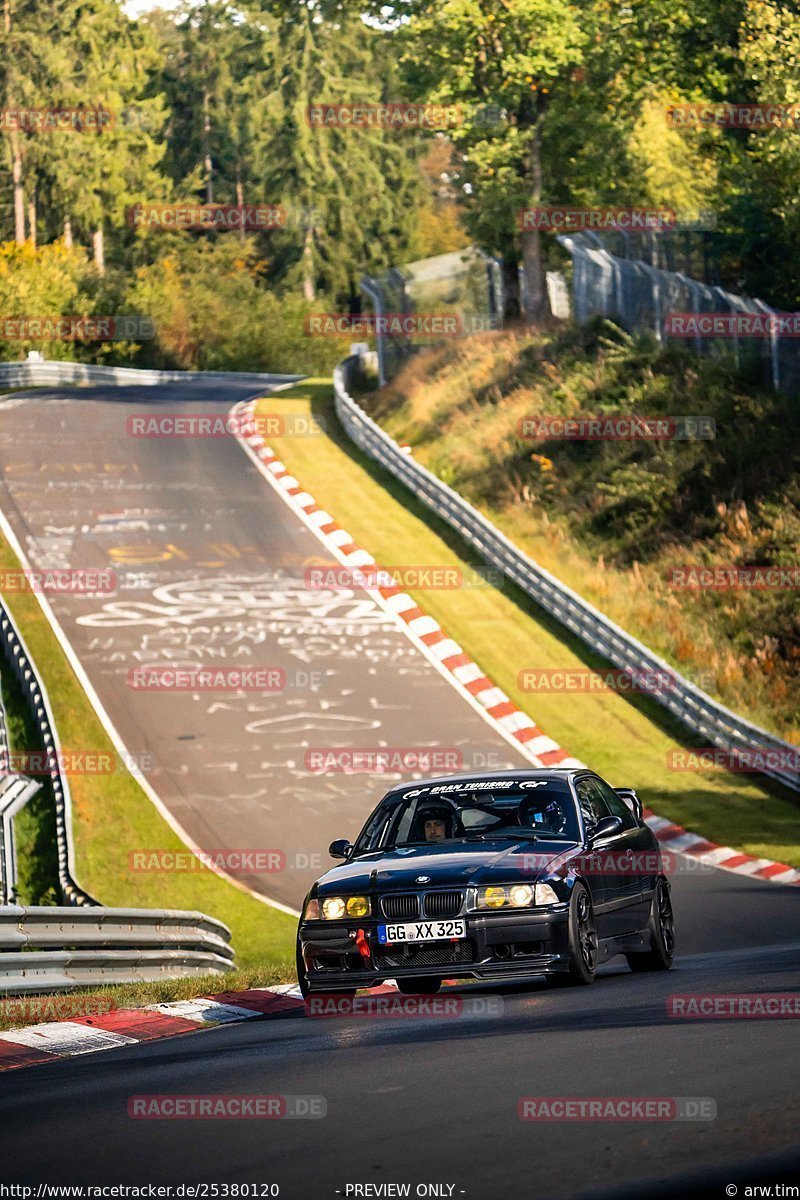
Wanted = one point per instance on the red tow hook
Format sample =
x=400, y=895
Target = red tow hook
x=363, y=944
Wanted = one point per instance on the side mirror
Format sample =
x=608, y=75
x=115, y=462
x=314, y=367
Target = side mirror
x=606, y=827
x=340, y=848
x=631, y=799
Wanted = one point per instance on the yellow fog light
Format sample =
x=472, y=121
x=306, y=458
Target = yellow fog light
x=358, y=906
x=493, y=897
x=333, y=908
x=521, y=895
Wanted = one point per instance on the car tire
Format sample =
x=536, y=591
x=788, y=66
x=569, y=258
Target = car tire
x=419, y=987
x=583, y=941
x=661, y=927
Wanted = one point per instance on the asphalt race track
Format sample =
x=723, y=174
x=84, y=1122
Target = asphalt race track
x=434, y=1100
x=210, y=567
x=411, y=1100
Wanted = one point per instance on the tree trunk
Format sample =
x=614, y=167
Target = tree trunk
x=98, y=244
x=16, y=154
x=511, y=301
x=309, y=288
x=19, y=191
x=68, y=242
x=207, y=160
x=32, y=217
x=531, y=238
x=240, y=196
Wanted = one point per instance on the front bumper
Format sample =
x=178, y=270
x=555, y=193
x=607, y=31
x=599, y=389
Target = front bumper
x=527, y=942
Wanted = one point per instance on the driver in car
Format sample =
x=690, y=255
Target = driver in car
x=437, y=824
x=435, y=829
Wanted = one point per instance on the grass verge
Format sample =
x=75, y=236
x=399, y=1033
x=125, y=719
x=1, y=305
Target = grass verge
x=631, y=523
x=625, y=739
x=112, y=816
x=21, y=1010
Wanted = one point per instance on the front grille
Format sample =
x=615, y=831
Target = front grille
x=434, y=954
x=404, y=906
x=442, y=904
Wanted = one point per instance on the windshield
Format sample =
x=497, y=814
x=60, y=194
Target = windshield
x=451, y=813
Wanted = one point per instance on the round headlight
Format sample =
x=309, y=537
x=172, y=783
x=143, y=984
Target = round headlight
x=332, y=908
x=358, y=906
x=494, y=897
x=521, y=895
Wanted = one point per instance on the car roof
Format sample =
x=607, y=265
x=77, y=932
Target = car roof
x=483, y=776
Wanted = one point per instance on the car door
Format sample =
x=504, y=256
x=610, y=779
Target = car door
x=593, y=809
x=629, y=852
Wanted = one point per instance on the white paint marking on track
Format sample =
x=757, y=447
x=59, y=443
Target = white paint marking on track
x=67, y=1037
x=203, y=1009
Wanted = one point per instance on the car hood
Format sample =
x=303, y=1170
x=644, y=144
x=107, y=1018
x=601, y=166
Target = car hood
x=498, y=861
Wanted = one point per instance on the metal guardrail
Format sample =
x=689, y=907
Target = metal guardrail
x=15, y=792
x=42, y=374
x=106, y=945
x=16, y=655
x=699, y=712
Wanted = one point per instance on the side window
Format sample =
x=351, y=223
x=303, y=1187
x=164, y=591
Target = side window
x=616, y=805
x=372, y=833
x=592, y=805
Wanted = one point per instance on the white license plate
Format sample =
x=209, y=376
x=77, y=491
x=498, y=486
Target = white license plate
x=421, y=931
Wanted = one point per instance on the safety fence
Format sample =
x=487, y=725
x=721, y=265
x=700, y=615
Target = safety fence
x=16, y=656
x=638, y=295
x=465, y=285
x=706, y=718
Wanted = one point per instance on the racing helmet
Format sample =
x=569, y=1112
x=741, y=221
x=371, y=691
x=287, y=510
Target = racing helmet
x=545, y=813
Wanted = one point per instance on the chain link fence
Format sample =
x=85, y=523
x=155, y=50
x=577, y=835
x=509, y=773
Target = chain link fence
x=465, y=285
x=638, y=295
